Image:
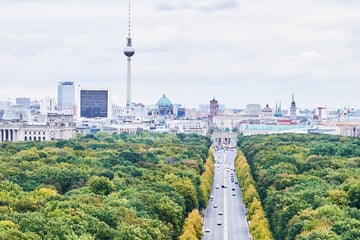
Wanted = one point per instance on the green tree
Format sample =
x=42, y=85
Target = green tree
x=101, y=185
x=354, y=195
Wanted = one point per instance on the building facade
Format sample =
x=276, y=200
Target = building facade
x=57, y=127
x=253, y=109
x=24, y=102
x=47, y=105
x=95, y=104
x=214, y=109
x=224, y=139
x=66, y=97
x=188, y=127
x=266, y=112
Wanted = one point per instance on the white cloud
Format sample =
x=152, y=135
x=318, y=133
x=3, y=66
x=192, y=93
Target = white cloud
x=207, y=6
x=237, y=51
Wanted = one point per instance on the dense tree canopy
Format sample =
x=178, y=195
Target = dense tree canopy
x=309, y=184
x=102, y=186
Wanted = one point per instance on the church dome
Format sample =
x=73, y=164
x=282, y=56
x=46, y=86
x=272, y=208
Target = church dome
x=165, y=108
x=163, y=102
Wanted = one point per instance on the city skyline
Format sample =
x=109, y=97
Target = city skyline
x=239, y=52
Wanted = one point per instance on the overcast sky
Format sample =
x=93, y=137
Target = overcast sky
x=238, y=51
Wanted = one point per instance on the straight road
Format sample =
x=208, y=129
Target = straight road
x=225, y=215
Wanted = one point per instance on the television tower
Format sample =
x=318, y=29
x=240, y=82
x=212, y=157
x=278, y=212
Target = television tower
x=129, y=51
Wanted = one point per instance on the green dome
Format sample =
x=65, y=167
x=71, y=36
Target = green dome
x=164, y=102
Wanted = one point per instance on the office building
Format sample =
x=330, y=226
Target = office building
x=95, y=104
x=66, y=98
x=24, y=102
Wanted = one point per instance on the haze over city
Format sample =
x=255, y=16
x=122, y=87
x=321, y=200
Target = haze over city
x=239, y=52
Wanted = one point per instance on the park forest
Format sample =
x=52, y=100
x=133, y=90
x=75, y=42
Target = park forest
x=309, y=185
x=151, y=186
x=102, y=186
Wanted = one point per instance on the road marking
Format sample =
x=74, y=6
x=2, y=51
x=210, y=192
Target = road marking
x=225, y=206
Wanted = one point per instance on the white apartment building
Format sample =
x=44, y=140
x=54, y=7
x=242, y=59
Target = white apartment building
x=188, y=126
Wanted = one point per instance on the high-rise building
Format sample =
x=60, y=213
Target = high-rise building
x=23, y=101
x=95, y=103
x=66, y=97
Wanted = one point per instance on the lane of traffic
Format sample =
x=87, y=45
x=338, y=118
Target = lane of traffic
x=227, y=220
x=214, y=211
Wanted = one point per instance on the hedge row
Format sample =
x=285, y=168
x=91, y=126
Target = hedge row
x=259, y=224
x=206, y=179
x=192, y=229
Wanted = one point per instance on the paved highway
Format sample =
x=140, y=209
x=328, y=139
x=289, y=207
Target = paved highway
x=225, y=215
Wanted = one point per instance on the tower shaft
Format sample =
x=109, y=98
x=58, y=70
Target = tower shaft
x=128, y=82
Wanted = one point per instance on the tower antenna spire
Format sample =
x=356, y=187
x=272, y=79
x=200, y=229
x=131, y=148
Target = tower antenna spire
x=129, y=22
x=129, y=51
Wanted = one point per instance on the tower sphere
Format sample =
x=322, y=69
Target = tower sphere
x=129, y=51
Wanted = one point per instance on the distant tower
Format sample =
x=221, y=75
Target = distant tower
x=129, y=51
x=293, y=109
x=278, y=111
x=214, y=109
